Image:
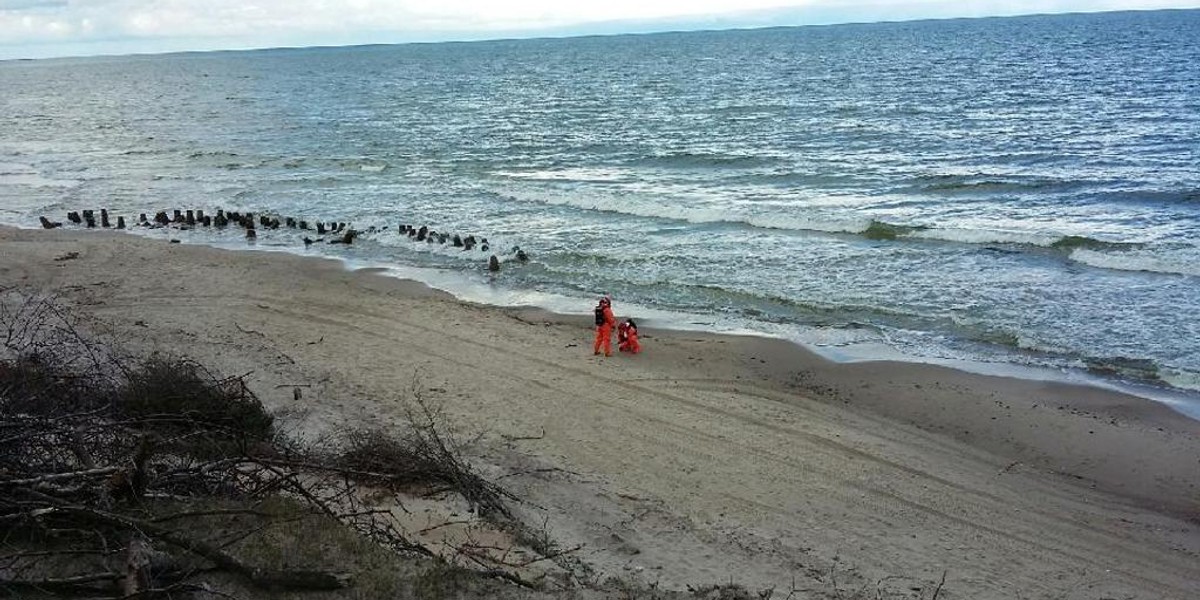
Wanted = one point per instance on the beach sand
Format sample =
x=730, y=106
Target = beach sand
x=706, y=459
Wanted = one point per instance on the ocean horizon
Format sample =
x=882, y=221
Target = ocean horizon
x=1022, y=192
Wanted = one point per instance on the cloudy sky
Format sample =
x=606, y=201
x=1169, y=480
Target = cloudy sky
x=41, y=28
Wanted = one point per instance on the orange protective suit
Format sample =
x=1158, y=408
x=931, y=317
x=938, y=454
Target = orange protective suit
x=627, y=339
x=604, y=329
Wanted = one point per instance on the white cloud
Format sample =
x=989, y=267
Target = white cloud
x=29, y=20
x=27, y=4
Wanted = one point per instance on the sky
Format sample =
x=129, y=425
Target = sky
x=48, y=28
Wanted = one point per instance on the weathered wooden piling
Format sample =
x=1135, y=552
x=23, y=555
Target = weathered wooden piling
x=348, y=238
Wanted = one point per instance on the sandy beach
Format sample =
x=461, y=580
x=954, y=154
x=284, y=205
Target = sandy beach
x=706, y=459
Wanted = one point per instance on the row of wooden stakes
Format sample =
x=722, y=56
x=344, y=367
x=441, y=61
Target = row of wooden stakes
x=197, y=218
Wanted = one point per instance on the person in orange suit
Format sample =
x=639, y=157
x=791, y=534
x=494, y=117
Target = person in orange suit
x=604, y=326
x=627, y=337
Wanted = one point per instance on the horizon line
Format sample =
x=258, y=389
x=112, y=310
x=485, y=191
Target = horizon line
x=549, y=35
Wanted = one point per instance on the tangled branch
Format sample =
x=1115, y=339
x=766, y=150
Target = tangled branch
x=107, y=465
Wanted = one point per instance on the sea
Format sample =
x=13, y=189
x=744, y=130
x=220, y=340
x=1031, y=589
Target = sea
x=1004, y=194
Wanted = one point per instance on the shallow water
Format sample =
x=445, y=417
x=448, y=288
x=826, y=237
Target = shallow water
x=1009, y=191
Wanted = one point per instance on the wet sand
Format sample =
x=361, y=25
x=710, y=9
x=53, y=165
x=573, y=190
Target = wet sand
x=705, y=458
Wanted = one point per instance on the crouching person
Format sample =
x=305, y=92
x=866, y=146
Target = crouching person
x=627, y=337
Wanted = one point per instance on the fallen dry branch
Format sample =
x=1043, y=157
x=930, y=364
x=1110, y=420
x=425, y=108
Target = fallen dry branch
x=100, y=451
x=938, y=589
x=302, y=580
x=76, y=585
x=35, y=481
x=426, y=457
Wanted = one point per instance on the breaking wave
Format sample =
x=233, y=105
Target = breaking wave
x=987, y=236
x=1092, y=251
x=983, y=184
x=701, y=216
x=235, y=161
x=1180, y=262
x=692, y=160
x=1070, y=243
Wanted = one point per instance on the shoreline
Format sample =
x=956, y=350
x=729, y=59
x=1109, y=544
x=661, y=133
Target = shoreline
x=1181, y=400
x=712, y=455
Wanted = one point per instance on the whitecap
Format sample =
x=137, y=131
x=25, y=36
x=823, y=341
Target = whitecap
x=1184, y=261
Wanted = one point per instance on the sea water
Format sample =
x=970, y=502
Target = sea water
x=1015, y=191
